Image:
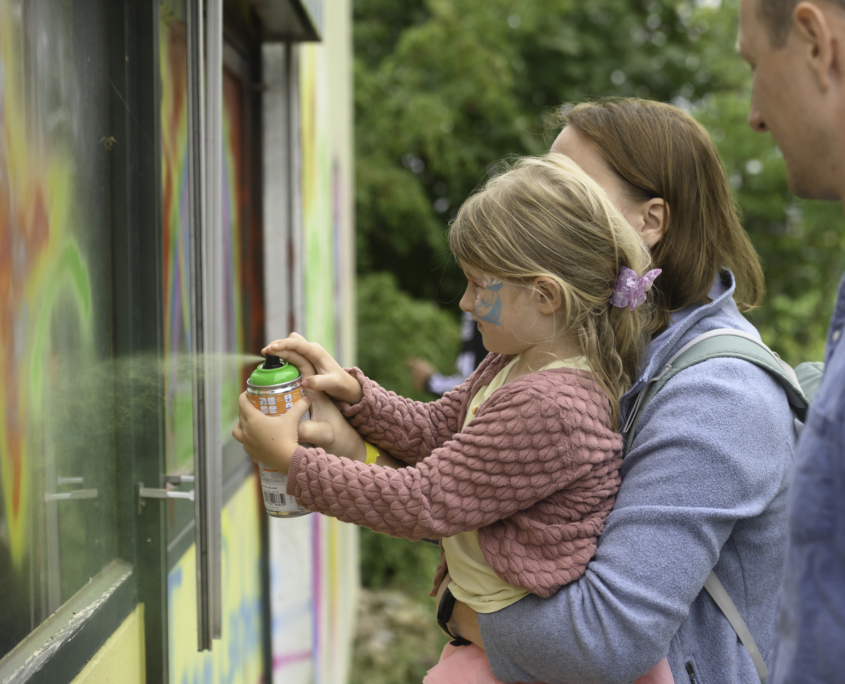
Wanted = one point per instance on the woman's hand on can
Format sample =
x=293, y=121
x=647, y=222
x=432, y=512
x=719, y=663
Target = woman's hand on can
x=329, y=430
x=271, y=441
x=319, y=370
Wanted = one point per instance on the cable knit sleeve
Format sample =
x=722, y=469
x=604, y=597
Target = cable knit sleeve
x=525, y=444
x=410, y=430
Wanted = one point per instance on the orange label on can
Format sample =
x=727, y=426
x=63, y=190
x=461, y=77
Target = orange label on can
x=277, y=404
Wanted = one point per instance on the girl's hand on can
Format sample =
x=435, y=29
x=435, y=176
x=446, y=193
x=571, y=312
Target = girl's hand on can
x=319, y=370
x=271, y=441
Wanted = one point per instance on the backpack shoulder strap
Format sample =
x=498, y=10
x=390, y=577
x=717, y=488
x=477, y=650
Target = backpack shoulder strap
x=722, y=343
x=725, y=343
x=809, y=374
x=720, y=596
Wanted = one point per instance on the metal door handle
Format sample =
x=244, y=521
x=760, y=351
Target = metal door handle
x=76, y=494
x=154, y=493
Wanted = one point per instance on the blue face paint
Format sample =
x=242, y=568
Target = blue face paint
x=488, y=305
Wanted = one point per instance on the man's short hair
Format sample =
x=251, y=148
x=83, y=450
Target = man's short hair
x=777, y=14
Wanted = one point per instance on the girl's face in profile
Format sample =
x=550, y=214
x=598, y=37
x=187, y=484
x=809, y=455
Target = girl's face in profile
x=502, y=312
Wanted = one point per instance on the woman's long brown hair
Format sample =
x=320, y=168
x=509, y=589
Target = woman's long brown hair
x=660, y=151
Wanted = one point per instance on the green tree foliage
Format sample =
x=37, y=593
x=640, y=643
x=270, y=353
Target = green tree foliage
x=393, y=326
x=445, y=88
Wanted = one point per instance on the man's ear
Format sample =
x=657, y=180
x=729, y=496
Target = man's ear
x=548, y=293
x=819, y=49
x=654, y=216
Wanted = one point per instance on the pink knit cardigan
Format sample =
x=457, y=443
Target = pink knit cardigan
x=535, y=472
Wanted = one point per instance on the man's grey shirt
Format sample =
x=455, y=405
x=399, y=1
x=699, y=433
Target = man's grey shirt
x=810, y=646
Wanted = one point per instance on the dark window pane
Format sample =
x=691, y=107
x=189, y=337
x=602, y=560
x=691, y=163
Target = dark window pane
x=59, y=384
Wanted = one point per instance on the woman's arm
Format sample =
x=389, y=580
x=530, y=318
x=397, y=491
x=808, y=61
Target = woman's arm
x=714, y=448
x=330, y=431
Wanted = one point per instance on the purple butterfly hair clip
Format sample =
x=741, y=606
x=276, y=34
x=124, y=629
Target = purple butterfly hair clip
x=630, y=288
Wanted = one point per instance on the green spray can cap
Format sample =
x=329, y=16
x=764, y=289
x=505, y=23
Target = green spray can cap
x=274, y=371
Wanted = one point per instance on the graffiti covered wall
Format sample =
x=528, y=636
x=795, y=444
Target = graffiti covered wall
x=176, y=244
x=238, y=657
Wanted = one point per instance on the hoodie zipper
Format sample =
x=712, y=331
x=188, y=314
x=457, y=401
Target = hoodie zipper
x=691, y=672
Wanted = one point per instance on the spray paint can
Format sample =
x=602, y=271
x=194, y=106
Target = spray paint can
x=273, y=388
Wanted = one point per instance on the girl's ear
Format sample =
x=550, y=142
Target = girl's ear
x=548, y=294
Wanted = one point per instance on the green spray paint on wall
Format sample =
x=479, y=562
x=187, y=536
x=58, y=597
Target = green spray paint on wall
x=39, y=262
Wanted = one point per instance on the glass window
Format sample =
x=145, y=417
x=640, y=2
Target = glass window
x=60, y=384
x=176, y=247
x=242, y=275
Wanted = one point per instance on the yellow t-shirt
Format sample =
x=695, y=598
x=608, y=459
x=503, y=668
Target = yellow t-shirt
x=473, y=581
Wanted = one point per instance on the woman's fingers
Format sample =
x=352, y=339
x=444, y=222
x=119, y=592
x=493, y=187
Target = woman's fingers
x=318, y=433
x=334, y=433
x=333, y=385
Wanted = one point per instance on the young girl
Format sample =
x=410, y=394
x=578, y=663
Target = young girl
x=517, y=468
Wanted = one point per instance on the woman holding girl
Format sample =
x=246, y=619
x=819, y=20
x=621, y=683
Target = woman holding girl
x=517, y=469
x=704, y=482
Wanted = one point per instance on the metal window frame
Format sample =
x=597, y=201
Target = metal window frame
x=205, y=143
x=58, y=649
x=282, y=164
x=139, y=574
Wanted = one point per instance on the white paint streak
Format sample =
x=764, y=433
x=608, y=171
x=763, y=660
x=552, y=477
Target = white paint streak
x=53, y=634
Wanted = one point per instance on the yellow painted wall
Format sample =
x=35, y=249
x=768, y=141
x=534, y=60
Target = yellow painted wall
x=121, y=659
x=236, y=658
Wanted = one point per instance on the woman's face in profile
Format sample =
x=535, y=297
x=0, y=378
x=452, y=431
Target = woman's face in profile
x=646, y=217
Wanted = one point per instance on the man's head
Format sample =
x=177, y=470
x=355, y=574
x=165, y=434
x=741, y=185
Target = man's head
x=796, y=50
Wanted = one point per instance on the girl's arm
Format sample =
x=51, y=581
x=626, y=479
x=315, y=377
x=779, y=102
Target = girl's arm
x=410, y=430
x=330, y=431
x=493, y=469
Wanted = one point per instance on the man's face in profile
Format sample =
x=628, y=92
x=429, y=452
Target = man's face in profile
x=786, y=101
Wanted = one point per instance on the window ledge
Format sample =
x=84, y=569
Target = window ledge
x=87, y=620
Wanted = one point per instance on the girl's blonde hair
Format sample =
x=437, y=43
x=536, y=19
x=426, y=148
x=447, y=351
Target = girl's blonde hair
x=545, y=217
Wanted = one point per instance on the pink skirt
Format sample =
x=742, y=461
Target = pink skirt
x=469, y=665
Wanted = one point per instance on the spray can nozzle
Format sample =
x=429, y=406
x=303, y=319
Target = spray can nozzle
x=271, y=361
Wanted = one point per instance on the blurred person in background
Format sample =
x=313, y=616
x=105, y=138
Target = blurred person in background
x=796, y=51
x=424, y=376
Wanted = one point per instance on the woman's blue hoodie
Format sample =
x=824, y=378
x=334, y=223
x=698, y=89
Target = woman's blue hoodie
x=704, y=488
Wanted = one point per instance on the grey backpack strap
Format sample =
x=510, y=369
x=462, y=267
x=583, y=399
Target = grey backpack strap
x=727, y=343
x=717, y=592
x=722, y=343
